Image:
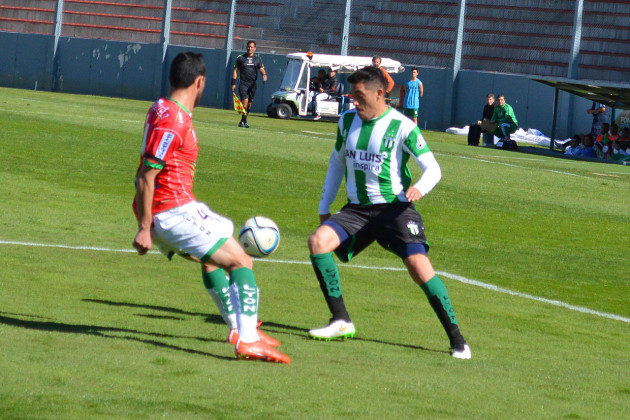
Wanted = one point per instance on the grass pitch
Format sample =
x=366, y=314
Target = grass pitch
x=88, y=329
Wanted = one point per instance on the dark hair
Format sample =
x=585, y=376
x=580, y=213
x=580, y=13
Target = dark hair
x=375, y=57
x=185, y=68
x=369, y=75
x=500, y=96
x=251, y=42
x=416, y=69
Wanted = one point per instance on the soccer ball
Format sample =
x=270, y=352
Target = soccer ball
x=259, y=236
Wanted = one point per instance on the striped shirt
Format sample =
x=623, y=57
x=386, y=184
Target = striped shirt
x=373, y=156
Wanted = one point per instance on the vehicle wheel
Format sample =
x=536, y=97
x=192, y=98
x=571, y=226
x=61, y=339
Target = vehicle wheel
x=271, y=111
x=283, y=111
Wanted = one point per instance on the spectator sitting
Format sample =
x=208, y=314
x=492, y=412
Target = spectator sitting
x=476, y=130
x=620, y=150
x=610, y=133
x=504, y=116
x=315, y=84
x=576, y=147
x=624, y=138
x=329, y=86
x=588, y=149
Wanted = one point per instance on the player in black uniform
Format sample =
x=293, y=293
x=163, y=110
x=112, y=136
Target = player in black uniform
x=248, y=66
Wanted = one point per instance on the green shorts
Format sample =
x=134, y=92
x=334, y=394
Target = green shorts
x=411, y=112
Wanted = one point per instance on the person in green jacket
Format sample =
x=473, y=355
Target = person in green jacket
x=504, y=117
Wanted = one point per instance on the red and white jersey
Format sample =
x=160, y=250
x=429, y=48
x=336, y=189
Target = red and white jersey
x=170, y=144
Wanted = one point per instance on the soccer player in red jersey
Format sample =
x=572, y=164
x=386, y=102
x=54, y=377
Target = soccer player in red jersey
x=169, y=216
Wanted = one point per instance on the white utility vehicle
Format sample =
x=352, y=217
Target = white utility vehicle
x=295, y=94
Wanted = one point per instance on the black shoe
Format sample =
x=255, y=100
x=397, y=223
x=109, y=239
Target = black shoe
x=245, y=125
x=241, y=124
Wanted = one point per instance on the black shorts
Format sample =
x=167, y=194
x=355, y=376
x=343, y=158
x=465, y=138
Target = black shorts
x=397, y=227
x=246, y=91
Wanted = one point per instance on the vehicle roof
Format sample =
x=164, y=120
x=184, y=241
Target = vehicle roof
x=345, y=63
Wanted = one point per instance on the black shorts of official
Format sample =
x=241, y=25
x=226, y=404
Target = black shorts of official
x=397, y=227
x=246, y=91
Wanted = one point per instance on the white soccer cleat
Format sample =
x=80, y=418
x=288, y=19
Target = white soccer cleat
x=336, y=330
x=463, y=353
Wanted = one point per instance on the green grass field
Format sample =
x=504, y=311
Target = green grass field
x=88, y=329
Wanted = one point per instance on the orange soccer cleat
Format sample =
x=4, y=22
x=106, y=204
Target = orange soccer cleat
x=261, y=351
x=232, y=338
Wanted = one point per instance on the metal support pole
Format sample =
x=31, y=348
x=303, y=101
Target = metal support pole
x=457, y=61
x=160, y=85
x=346, y=29
x=229, y=41
x=553, y=121
x=229, y=33
x=166, y=27
x=574, y=56
x=57, y=34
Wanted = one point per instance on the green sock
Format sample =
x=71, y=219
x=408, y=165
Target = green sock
x=329, y=281
x=218, y=286
x=247, y=290
x=435, y=288
x=438, y=297
x=248, y=298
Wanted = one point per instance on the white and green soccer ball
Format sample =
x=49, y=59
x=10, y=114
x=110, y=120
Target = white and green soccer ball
x=259, y=236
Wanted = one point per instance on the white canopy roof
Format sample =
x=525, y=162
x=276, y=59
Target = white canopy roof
x=346, y=63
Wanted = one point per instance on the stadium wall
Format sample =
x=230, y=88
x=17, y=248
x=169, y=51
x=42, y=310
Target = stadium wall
x=135, y=71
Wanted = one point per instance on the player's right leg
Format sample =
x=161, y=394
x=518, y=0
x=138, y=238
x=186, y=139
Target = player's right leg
x=328, y=237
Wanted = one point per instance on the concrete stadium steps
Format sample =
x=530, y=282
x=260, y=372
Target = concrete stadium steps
x=531, y=4
x=115, y=33
x=404, y=55
x=126, y=20
x=35, y=17
x=608, y=46
x=198, y=41
x=308, y=26
x=513, y=66
x=518, y=40
x=34, y=27
x=35, y=4
x=406, y=6
x=254, y=7
x=126, y=8
x=404, y=32
x=111, y=20
x=506, y=27
x=201, y=28
x=606, y=6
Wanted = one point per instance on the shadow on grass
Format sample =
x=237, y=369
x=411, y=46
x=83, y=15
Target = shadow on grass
x=276, y=327
x=282, y=329
x=100, y=331
x=211, y=318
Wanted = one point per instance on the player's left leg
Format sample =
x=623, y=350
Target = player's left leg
x=422, y=272
x=401, y=230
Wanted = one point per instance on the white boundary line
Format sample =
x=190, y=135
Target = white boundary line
x=455, y=277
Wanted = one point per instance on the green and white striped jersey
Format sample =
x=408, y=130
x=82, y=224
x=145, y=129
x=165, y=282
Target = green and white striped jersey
x=373, y=156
